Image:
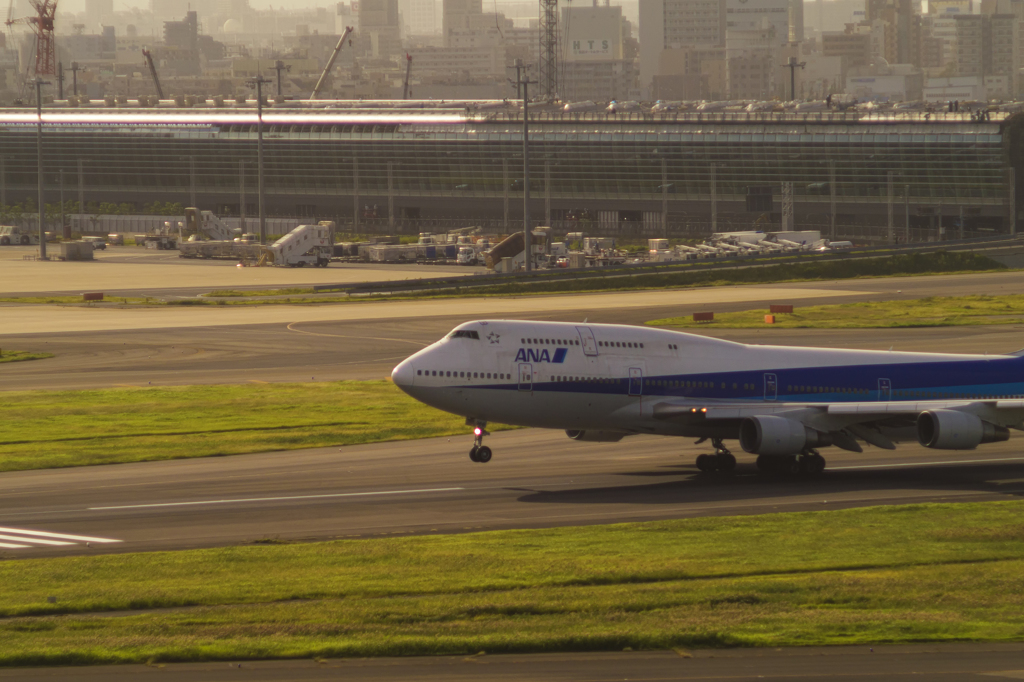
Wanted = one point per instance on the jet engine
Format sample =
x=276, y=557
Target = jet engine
x=597, y=436
x=769, y=435
x=955, y=430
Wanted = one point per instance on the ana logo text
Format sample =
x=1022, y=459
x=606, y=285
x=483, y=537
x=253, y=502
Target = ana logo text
x=541, y=355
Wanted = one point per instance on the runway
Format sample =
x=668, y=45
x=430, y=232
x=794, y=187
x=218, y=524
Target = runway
x=537, y=479
x=164, y=346
x=938, y=662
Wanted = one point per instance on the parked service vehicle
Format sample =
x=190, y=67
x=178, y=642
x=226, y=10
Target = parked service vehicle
x=115, y=239
x=467, y=256
x=12, y=234
x=97, y=242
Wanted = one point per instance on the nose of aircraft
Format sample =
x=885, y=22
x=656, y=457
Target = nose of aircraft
x=403, y=375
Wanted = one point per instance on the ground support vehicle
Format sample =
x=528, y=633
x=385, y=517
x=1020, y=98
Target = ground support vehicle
x=12, y=234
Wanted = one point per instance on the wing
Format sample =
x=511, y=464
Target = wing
x=848, y=421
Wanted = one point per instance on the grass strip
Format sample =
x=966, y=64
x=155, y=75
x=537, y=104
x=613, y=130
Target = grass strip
x=21, y=356
x=913, y=573
x=48, y=429
x=949, y=311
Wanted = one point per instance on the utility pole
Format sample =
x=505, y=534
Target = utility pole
x=279, y=66
x=257, y=83
x=60, y=80
x=75, y=68
x=524, y=83
x=793, y=65
x=39, y=83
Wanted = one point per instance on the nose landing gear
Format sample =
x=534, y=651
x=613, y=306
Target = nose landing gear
x=722, y=460
x=480, y=452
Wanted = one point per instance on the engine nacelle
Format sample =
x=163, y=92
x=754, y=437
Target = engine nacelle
x=955, y=430
x=597, y=436
x=779, y=436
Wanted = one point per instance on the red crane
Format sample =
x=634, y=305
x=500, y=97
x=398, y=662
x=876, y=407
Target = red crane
x=42, y=26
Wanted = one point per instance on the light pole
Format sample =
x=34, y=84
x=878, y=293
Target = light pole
x=39, y=83
x=257, y=83
x=793, y=65
x=524, y=82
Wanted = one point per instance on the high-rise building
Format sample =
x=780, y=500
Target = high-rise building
x=380, y=32
x=419, y=17
x=596, y=65
x=786, y=17
x=456, y=15
x=676, y=25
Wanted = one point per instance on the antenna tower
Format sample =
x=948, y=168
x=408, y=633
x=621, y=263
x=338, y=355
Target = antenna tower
x=548, y=48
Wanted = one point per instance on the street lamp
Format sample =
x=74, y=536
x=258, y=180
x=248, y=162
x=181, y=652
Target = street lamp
x=39, y=83
x=257, y=84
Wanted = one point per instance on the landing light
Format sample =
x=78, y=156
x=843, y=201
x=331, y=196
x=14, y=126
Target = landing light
x=703, y=409
x=477, y=431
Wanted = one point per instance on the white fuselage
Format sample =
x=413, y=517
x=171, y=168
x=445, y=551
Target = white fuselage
x=612, y=377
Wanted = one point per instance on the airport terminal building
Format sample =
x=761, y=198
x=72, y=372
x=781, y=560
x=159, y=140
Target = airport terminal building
x=403, y=169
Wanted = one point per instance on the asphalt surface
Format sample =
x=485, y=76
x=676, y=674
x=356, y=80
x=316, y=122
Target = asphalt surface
x=98, y=348
x=536, y=479
x=942, y=663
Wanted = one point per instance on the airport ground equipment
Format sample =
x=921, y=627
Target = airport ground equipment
x=330, y=64
x=305, y=245
x=206, y=236
x=13, y=234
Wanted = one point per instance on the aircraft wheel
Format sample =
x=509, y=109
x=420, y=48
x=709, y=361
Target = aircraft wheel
x=705, y=464
x=764, y=463
x=24, y=240
x=5, y=241
x=793, y=465
x=726, y=462
x=483, y=454
x=472, y=454
x=814, y=464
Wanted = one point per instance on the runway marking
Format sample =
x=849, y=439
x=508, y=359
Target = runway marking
x=342, y=336
x=924, y=464
x=274, y=499
x=21, y=538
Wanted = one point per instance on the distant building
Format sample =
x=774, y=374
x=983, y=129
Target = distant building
x=596, y=65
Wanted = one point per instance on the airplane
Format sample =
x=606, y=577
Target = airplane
x=603, y=382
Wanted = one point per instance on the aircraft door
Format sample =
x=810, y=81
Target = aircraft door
x=636, y=381
x=771, y=387
x=525, y=377
x=884, y=390
x=588, y=340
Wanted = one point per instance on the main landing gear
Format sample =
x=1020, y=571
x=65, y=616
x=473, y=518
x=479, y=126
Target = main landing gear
x=722, y=460
x=808, y=462
x=480, y=452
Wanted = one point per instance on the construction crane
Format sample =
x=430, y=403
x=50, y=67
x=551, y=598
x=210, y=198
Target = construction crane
x=408, y=69
x=549, y=49
x=42, y=26
x=152, y=72
x=330, y=63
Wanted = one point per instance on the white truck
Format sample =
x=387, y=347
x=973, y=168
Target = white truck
x=12, y=234
x=467, y=256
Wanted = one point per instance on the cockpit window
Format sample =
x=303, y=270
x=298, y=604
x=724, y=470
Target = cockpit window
x=464, y=334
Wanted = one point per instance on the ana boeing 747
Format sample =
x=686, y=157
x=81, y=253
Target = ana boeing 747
x=602, y=382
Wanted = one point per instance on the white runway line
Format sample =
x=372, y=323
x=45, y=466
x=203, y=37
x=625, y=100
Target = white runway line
x=59, y=536
x=273, y=499
x=7, y=545
x=35, y=541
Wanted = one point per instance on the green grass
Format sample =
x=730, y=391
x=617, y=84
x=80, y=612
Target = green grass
x=46, y=429
x=21, y=356
x=923, y=312
x=617, y=279
x=915, y=573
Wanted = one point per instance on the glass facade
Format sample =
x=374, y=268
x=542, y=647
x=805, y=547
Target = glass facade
x=332, y=159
